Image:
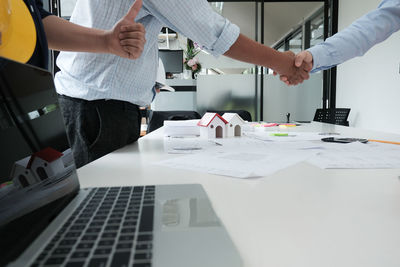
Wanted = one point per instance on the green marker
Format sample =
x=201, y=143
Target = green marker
x=279, y=134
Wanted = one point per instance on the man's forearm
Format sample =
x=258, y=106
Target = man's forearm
x=67, y=36
x=248, y=50
x=245, y=49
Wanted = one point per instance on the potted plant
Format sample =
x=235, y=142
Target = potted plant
x=191, y=62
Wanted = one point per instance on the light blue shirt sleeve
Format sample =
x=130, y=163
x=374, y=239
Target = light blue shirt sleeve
x=372, y=28
x=197, y=21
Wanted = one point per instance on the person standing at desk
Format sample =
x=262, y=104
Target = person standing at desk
x=42, y=30
x=369, y=30
x=101, y=106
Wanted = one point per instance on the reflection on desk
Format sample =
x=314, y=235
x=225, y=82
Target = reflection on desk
x=299, y=216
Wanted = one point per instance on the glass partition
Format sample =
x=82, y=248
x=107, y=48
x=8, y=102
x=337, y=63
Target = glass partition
x=296, y=42
x=223, y=83
x=300, y=101
x=66, y=7
x=317, y=29
x=229, y=84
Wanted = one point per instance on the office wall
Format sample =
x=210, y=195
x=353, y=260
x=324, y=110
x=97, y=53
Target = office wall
x=370, y=85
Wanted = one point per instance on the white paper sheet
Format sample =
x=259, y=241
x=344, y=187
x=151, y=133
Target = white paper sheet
x=291, y=136
x=187, y=144
x=181, y=128
x=246, y=159
x=357, y=156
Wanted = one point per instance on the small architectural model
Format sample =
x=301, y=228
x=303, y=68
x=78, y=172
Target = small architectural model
x=212, y=125
x=38, y=167
x=234, y=125
x=46, y=163
x=23, y=177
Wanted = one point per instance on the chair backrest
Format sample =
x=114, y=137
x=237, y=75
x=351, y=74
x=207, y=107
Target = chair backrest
x=157, y=118
x=244, y=114
x=333, y=115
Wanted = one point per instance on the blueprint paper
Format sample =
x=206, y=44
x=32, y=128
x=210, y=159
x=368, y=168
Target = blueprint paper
x=249, y=157
x=357, y=156
x=181, y=128
x=239, y=162
x=292, y=136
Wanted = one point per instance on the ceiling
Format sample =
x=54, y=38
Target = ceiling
x=280, y=18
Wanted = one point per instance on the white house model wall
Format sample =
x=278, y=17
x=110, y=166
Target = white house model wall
x=234, y=125
x=212, y=125
x=40, y=166
x=20, y=170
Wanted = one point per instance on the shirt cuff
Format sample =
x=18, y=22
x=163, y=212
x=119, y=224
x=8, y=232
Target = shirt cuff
x=321, y=58
x=228, y=37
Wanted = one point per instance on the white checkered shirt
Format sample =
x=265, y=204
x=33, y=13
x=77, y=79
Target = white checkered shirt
x=93, y=76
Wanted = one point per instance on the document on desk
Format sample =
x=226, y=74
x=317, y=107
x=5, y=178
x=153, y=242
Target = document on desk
x=181, y=128
x=357, y=156
x=240, y=161
x=285, y=136
x=185, y=144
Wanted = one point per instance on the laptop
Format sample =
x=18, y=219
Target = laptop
x=47, y=220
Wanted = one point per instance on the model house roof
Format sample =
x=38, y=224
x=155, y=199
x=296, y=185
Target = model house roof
x=230, y=116
x=23, y=162
x=208, y=118
x=48, y=154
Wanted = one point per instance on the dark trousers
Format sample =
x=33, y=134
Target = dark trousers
x=96, y=128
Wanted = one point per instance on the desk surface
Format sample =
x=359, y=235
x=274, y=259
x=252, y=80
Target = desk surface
x=299, y=216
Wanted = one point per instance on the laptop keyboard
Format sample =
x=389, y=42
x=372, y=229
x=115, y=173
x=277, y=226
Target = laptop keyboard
x=112, y=227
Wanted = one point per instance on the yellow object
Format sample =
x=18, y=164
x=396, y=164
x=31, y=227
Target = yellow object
x=17, y=31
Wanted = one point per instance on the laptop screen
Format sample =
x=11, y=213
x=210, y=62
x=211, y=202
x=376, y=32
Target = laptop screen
x=37, y=171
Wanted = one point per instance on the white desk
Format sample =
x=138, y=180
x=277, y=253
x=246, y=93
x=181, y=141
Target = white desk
x=300, y=216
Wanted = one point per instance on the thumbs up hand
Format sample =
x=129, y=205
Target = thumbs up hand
x=127, y=38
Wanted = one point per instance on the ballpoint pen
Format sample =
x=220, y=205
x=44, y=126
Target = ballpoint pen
x=215, y=142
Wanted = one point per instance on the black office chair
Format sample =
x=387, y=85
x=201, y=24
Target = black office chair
x=244, y=114
x=333, y=115
x=157, y=118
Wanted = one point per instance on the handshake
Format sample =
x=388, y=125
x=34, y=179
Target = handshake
x=294, y=69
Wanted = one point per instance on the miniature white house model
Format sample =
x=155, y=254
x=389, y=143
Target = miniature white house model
x=38, y=167
x=23, y=177
x=212, y=125
x=234, y=125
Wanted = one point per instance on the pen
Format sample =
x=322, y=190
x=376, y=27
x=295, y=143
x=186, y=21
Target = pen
x=186, y=148
x=383, y=141
x=218, y=144
x=329, y=133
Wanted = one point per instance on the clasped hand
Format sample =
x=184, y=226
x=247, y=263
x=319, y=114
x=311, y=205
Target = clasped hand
x=127, y=38
x=298, y=70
